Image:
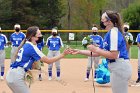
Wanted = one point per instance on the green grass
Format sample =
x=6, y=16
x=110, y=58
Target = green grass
x=134, y=51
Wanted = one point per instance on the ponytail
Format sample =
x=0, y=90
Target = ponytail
x=19, y=47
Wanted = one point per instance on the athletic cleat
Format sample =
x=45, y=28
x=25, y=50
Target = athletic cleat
x=50, y=78
x=58, y=78
x=40, y=78
x=86, y=79
x=1, y=78
x=138, y=80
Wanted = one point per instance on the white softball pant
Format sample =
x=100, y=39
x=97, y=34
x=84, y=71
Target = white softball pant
x=13, y=53
x=138, y=59
x=121, y=72
x=94, y=60
x=2, y=57
x=15, y=80
x=53, y=54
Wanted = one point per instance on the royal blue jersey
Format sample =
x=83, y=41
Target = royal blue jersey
x=27, y=55
x=97, y=39
x=3, y=41
x=114, y=41
x=40, y=45
x=54, y=43
x=16, y=39
x=138, y=38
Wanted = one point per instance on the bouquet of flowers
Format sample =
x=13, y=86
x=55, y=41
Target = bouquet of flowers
x=129, y=40
x=87, y=41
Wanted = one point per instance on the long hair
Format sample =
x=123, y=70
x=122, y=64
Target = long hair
x=115, y=18
x=31, y=31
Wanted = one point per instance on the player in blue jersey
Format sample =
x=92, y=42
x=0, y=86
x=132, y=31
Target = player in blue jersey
x=138, y=44
x=27, y=54
x=115, y=51
x=3, y=42
x=16, y=38
x=54, y=43
x=98, y=40
x=40, y=46
x=129, y=37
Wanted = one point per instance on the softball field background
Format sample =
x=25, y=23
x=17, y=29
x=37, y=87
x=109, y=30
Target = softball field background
x=72, y=79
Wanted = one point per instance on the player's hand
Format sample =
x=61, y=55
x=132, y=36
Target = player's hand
x=67, y=51
x=75, y=51
x=92, y=48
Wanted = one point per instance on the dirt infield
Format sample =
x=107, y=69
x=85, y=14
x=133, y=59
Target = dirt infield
x=72, y=79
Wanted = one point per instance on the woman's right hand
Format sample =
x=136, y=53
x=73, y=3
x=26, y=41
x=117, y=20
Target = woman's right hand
x=75, y=51
x=67, y=51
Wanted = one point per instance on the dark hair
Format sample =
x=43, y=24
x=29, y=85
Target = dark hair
x=115, y=18
x=31, y=31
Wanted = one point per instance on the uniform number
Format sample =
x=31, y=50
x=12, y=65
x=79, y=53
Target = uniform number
x=19, y=57
x=16, y=42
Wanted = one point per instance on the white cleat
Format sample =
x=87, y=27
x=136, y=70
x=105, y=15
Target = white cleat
x=86, y=79
x=50, y=78
x=1, y=78
x=58, y=78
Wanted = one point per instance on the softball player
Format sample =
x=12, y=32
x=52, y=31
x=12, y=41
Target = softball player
x=138, y=44
x=3, y=42
x=16, y=38
x=27, y=54
x=40, y=47
x=129, y=38
x=98, y=40
x=54, y=43
x=115, y=51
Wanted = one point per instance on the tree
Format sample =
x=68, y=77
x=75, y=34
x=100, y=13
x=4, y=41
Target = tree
x=132, y=15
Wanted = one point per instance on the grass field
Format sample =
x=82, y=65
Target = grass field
x=134, y=51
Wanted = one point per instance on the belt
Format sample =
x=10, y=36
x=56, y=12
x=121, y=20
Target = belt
x=19, y=68
x=15, y=46
x=54, y=50
x=114, y=60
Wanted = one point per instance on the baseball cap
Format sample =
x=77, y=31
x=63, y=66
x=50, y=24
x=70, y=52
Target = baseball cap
x=16, y=26
x=94, y=28
x=54, y=30
x=126, y=26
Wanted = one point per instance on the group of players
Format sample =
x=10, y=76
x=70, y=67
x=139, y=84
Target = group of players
x=54, y=43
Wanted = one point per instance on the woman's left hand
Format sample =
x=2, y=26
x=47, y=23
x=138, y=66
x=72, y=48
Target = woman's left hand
x=93, y=48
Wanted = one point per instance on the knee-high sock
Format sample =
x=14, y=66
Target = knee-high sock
x=2, y=71
x=58, y=72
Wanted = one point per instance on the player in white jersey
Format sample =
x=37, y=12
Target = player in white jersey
x=3, y=42
x=16, y=38
x=27, y=54
x=98, y=40
x=54, y=43
x=138, y=44
x=115, y=51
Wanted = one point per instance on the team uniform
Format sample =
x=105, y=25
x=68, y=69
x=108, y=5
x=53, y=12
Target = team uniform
x=3, y=42
x=27, y=55
x=16, y=39
x=54, y=44
x=98, y=40
x=138, y=41
x=120, y=68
